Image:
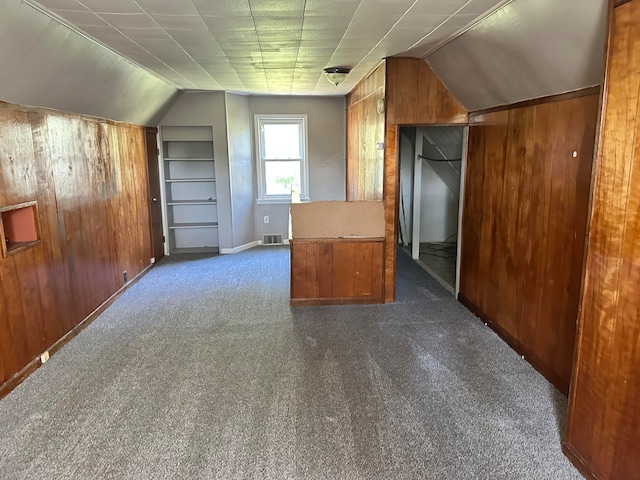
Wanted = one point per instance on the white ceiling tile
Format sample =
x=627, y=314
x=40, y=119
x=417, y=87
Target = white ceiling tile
x=342, y=8
x=373, y=9
x=321, y=22
x=112, y=6
x=156, y=33
x=292, y=35
x=223, y=7
x=460, y=21
x=129, y=20
x=229, y=24
x=168, y=7
x=439, y=7
x=481, y=7
x=421, y=22
x=322, y=36
x=185, y=22
x=262, y=7
x=62, y=4
x=105, y=34
x=81, y=18
x=278, y=24
x=310, y=53
x=373, y=23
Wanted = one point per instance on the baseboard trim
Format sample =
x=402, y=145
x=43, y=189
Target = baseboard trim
x=306, y=302
x=579, y=462
x=520, y=349
x=9, y=385
x=241, y=248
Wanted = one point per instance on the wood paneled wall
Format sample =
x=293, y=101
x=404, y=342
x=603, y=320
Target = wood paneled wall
x=603, y=435
x=365, y=130
x=413, y=96
x=523, y=226
x=90, y=181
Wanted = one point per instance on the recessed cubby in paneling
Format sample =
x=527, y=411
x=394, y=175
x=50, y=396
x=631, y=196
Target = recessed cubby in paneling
x=19, y=227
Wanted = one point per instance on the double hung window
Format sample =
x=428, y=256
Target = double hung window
x=282, y=157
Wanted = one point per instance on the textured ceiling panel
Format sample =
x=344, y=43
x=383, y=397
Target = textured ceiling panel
x=487, y=51
x=285, y=43
x=45, y=64
x=527, y=49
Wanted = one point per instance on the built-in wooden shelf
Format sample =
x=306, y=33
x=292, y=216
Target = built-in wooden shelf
x=19, y=227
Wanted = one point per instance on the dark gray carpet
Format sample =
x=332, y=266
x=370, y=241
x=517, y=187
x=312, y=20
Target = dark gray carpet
x=201, y=370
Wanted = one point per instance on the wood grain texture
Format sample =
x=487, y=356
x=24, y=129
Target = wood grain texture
x=89, y=179
x=603, y=433
x=524, y=225
x=413, y=95
x=336, y=271
x=365, y=129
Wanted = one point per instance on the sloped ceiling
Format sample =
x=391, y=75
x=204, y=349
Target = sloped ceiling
x=127, y=59
x=267, y=47
x=45, y=64
x=527, y=49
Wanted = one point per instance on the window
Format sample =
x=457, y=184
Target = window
x=282, y=157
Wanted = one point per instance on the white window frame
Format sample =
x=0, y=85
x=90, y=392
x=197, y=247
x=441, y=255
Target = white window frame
x=262, y=119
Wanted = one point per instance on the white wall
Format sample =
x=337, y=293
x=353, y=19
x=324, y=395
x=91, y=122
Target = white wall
x=46, y=64
x=438, y=208
x=326, y=148
x=241, y=170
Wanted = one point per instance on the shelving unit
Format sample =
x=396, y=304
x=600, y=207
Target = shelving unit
x=190, y=189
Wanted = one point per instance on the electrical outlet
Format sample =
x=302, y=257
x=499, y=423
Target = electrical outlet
x=124, y=275
x=266, y=219
x=44, y=357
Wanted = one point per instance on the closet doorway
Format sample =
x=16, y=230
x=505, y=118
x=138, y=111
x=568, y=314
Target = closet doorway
x=431, y=174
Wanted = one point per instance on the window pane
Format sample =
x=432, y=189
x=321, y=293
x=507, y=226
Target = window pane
x=281, y=176
x=282, y=141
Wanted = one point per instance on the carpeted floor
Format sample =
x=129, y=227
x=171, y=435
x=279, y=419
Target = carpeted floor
x=202, y=370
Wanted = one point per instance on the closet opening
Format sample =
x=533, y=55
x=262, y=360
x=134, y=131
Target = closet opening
x=432, y=163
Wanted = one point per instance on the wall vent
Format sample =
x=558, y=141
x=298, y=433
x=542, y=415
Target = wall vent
x=272, y=239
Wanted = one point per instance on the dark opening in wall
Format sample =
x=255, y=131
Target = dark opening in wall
x=19, y=227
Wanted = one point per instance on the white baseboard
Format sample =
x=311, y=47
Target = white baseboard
x=241, y=248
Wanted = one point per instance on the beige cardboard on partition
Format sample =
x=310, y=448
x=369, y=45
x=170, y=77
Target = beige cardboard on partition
x=335, y=219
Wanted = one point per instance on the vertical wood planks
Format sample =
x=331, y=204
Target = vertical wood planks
x=89, y=179
x=524, y=225
x=336, y=271
x=603, y=434
x=365, y=129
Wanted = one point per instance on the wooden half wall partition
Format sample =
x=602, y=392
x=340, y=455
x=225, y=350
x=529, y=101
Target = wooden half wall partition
x=524, y=224
x=88, y=178
x=337, y=253
x=603, y=432
x=400, y=91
